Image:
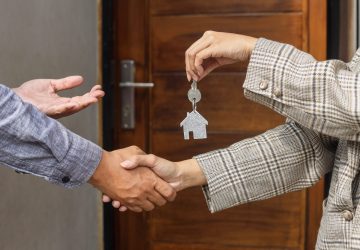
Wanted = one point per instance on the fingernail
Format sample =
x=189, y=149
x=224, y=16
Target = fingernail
x=122, y=209
x=127, y=164
x=188, y=77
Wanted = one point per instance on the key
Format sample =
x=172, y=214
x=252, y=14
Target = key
x=194, y=122
x=194, y=94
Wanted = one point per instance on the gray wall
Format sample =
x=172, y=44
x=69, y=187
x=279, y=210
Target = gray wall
x=49, y=39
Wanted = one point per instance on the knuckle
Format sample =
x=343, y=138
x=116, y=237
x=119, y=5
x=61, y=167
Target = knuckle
x=191, y=54
x=169, y=193
x=134, y=148
x=149, y=208
x=208, y=32
x=162, y=203
x=152, y=158
x=173, y=196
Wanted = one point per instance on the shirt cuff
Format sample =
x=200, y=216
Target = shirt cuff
x=79, y=164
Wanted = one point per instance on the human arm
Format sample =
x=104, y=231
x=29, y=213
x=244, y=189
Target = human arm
x=42, y=93
x=320, y=95
x=285, y=159
x=33, y=143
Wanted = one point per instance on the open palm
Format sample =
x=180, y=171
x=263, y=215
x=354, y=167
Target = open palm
x=42, y=93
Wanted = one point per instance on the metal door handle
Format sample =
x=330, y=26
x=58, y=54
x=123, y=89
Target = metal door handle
x=128, y=86
x=136, y=84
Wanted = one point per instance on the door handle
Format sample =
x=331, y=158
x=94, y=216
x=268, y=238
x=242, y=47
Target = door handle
x=128, y=86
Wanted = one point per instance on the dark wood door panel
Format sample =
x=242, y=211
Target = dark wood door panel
x=223, y=104
x=167, y=246
x=270, y=224
x=179, y=149
x=166, y=7
x=172, y=35
x=249, y=225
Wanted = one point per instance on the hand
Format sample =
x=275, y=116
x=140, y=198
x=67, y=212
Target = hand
x=179, y=175
x=215, y=49
x=138, y=189
x=42, y=94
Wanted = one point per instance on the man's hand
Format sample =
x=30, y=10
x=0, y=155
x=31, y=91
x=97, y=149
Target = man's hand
x=42, y=93
x=180, y=175
x=138, y=189
x=215, y=49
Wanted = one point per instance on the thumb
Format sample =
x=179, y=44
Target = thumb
x=140, y=160
x=128, y=164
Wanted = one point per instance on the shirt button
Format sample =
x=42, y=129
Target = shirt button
x=348, y=215
x=277, y=92
x=65, y=179
x=264, y=84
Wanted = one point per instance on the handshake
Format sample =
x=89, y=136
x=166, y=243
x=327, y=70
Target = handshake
x=140, y=182
x=132, y=179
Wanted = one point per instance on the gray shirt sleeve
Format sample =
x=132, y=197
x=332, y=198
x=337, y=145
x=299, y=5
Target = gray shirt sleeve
x=33, y=143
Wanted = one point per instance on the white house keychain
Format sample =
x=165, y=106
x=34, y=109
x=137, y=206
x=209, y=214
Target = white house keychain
x=194, y=121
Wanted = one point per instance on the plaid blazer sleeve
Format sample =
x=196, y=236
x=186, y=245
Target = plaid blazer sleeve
x=323, y=96
x=284, y=159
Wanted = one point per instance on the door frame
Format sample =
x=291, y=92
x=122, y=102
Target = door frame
x=107, y=67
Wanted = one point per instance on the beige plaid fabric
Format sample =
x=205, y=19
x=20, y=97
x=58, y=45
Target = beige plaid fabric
x=322, y=103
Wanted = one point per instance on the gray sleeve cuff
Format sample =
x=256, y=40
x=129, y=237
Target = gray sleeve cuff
x=79, y=164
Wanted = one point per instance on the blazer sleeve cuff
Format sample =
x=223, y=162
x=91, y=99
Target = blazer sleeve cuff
x=218, y=196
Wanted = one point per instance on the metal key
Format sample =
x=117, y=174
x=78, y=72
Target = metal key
x=194, y=122
x=194, y=94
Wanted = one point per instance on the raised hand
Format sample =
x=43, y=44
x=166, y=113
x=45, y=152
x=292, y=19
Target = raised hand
x=215, y=49
x=138, y=189
x=42, y=93
x=179, y=175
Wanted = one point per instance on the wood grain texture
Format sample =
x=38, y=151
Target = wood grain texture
x=249, y=225
x=168, y=45
x=176, y=246
x=130, y=45
x=186, y=7
x=180, y=149
x=223, y=104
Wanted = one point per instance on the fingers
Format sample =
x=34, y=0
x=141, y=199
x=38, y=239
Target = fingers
x=87, y=99
x=66, y=83
x=116, y=204
x=189, y=75
x=208, y=68
x=157, y=199
x=60, y=110
x=192, y=53
x=199, y=59
x=165, y=190
x=122, y=209
x=97, y=92
x=106, y=198
x=142, y=160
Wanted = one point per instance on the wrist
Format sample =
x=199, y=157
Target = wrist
x=100, y=171
x=251, y=43
x=191, y=174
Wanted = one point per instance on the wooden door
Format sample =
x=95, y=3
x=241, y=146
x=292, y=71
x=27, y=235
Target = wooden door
x=155, y=34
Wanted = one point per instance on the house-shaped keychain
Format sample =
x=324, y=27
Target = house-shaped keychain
x=195, y=123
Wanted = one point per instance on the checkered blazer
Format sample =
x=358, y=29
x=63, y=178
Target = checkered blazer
x=322, y=103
